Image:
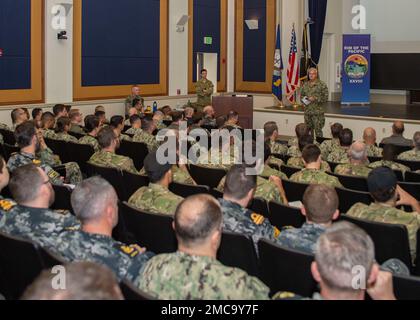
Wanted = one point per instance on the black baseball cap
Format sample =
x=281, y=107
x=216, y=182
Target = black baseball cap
x=382, y=178
x=155, y=171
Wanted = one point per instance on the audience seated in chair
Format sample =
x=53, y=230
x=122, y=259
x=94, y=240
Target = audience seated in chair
x=369, y=138
x=92, y=125
x=329, y=145
x=413, y=155
x=340, y=154
x=358, y=162
x=397, y=137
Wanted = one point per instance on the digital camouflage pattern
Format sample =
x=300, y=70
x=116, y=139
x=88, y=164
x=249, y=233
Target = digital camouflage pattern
x=217, y=159
x=134, y=131
x=181, y=175
x=293, y=142
x=124, y=260
x=148, y=139
x=242, y=220
x=374, y=151
x=382, y=213
x=124, y=137
x=339, y=155
x=155, y=199
x=294, y=152
x=275, y=161
x=6, y=205
x=49, y=134
x=302, y=239
x=329, y=146
x=38, y=225
x=63, y=136
x=111, y=160
x=268, y=172
x=413, y=155
x=91, y=141
x=297, y=162
x=389, y=164
x=209, y=121
x=312, y=176
x=357, y=170
x=129, y=102
x=314, y=112
x=77, y=129
x=278, y=148
x=179, y=276
x=204, y=89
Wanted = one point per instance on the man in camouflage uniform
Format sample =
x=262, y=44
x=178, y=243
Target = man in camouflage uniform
x=48, y=124
x=383, y=187
x=204, y=89
x=239, y=191
x=340, y=154
x=232, y=120
x=358, y=162
x=92, y=129
x=413, y=155
x=221, y=158
x=31, y=219
x=117, y=124
x=389, y=157
x=34, y=150
x=156, y=198
x=135, y=95
x=209, y=118
x=193, y=272
x=312, y=173
x=329, y=146
x=271, y=134
x=135, y=123
x=95, y=204
x=62, y=130
x=297, y=162
x=107, y=157
x=76, y=118
x=320, y=209
x=316, y=92
x=5, y=204
x=19, y=116
x=146, y=135
x=369, y=137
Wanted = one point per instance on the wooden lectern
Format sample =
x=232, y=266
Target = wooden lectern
x=242, y=105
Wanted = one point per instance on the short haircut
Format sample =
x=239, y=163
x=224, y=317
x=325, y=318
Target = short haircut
x=416, y=139
x=336, y=128
x=25, y=183
x=24, y=134
x=339, y=250
x=147, y=123
x=36, y=112
x=116, y=121
x=166, y=108
x=134, y=118
x=177, y=116
x=239, y=183
x=196, y=217
x=269, y=128
x=356, y=154
x=311, y=153
x=106, y=136
x=346, y=138
x=220, y=121
x=390, y=152
x=62, y=122
x=135, y=102
x=84, y=281
x=321, y=202
x=100, y=113
x=91, y=123
x=14, y=114
x=47, y=117
x=398, y=128
x=305, y=141
x=203, y=70
x=58, y=108
x=232, y=115
x=302, y=130
x=99, y=108
x=74, y=113
x=90, y=198
x=188, y=110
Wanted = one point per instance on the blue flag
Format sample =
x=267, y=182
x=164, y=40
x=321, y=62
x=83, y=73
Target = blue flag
x=278, y=69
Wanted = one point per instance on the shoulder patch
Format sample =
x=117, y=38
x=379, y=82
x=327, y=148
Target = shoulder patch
x=257, y=219
x=7, y=205
x=276, y=232
x=36, y=162
x=132, y=250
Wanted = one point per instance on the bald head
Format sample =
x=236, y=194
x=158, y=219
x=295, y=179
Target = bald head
x=398, y=127
x=369, y=136
x=358, y=152
x=196, y=220
x=208, y=111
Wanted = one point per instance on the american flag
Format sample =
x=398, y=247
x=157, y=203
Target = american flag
x=293, y=71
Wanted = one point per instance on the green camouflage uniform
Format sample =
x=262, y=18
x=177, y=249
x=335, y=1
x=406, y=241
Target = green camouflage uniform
x=218, y=162
x=148, y=139
x=374, y=151
x=293, y=142
x=275, y=161
x=134, y=131
x=316, y=177
x=314, y=113
x=91, y=141
x=356, y=170
x=413, y=155
x=278, y=148
x=302, y=239
x=129, y=102
x=339, y=155
x=328, y=146
x=124, y=137
x=62, y=136
x=111, y=160
x=268, y=172
x=179, y=276
x=49, y=134
x=76, y=129
x=242, y=220
x=209, y=121
x=4, y=127
x=181, y=176
x=204, y=89
x=389, y=164
x=294, y=152
x=297, y=162
x=155, y=199
x=39, y=225
x=125, y=261
x=382, y=213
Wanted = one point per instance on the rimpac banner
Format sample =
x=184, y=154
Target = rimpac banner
x=356, y=69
